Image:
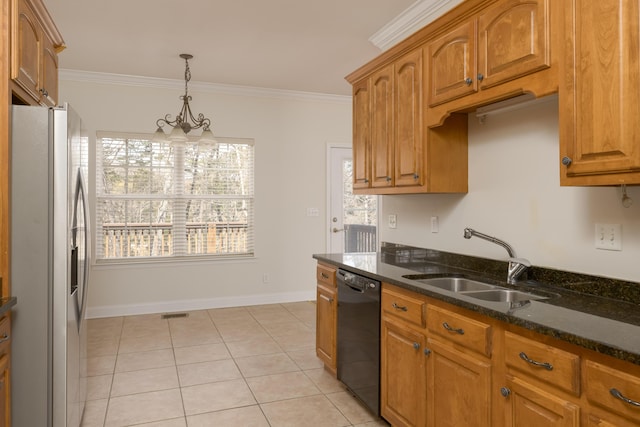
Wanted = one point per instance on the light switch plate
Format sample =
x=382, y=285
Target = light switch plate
x=608, y=237
x=393, y=221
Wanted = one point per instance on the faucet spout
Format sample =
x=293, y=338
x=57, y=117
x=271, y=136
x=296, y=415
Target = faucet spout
x=517, y=266
x=470, y=232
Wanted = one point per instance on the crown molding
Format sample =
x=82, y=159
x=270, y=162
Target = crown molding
x=415, y=17
x=154, y=82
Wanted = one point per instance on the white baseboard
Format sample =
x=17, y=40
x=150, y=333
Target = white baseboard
x=199, y=304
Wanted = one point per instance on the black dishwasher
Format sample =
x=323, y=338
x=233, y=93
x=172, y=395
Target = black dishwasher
x=359, y=337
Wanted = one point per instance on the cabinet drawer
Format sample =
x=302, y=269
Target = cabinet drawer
x=5, y=335
x=403, y=306
x=607, y=387
x=326, y=275
x=460, y=329
x=544, y=362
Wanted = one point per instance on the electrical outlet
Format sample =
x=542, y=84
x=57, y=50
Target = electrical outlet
x=265, y=278
x=608, y=237
x=393, y=221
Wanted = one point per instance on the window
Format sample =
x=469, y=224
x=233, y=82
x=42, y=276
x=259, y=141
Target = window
x=164, y=199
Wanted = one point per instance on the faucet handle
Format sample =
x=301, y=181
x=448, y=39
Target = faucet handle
x=517, y=266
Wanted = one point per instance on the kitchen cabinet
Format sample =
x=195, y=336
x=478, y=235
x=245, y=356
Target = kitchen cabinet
x=326, y=316
x=613, y=390
x=382, y=143
x=471, y=64
x=402, y=359
x=5, y=378
x=458, y=370
x=35, y=43
x=537, y=377
x=600, y=94
x=361, y=153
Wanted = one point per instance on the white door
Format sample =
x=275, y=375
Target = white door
x=353, y=219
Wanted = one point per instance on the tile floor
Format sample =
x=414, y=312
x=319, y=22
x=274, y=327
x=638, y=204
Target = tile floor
x=245, y=366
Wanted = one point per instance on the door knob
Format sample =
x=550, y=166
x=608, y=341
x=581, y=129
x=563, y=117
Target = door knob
x=335, y=230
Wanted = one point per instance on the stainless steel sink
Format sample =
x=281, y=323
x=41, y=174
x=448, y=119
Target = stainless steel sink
x=504, y=295
x=457, y=284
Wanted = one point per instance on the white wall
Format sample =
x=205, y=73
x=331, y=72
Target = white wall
x=291, y=134
x=514, y=194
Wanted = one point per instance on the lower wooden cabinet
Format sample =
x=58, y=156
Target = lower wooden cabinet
x=403, y=374
x=326, y=316
x=444, y=366
x=5, y=377
x=530, y=406
x=458, y=387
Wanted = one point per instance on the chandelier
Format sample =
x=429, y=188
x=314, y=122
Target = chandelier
x=185, y=121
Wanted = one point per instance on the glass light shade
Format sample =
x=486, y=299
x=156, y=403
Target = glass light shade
x=207, y=137
x=178, y=135
x=159, y=135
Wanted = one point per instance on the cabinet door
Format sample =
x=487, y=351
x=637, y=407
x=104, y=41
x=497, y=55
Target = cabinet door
x=600, y=92
x=326, y=306
x=408, y=119
x=26, y=48
x=5, y=401
x=402, y=375
x=382, y=128
x=458, y=388
x=361, y=134
x=514, y=40
x=605, y=419
x=529, y=406
x=49, y=84
x=452, y=66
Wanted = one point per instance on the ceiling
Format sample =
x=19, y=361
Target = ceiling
x=297, y=45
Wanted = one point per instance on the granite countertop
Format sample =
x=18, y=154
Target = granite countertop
x=596, y=313
x=6, y=304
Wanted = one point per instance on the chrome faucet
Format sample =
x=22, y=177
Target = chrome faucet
x=517, y=266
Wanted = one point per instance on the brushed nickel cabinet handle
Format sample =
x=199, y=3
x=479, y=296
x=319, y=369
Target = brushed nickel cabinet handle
x=616, y=393
x=399, y=307
x=450, y=329
x=4, y=338
x=324, y=275
x=545, y=365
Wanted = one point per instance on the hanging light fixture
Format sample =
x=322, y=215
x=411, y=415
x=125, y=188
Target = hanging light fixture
x=185, y=121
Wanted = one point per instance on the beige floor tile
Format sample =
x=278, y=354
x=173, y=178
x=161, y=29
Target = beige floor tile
x=296, y=341
x=243, y=333
x=145, y=360
x=351, y=408
x=144, y=408
x=378, y=423
x=101, y=365
x=94, y=413
x=286, y=328
x=99, y=387
x=325, y=381
x=254, y=347
x=276, y=316
x=306, y=358
x=102, y=346
x=315, y=411
x=270, y=388
x=195, y=336
x=261, y=308
x=300, y=306
x=208, y=372
x=144, y=328
x=306, y=317
x=249, y=416
x=175, y=422
x=226, y=315
x=199, y=399
x=125, y=383
x=147, y=343
x=201, y=353
x=267, y=364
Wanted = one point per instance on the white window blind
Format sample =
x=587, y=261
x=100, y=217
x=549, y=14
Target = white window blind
x=165, y=199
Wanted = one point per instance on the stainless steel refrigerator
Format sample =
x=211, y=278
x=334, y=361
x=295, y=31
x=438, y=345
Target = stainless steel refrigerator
x=50, y=259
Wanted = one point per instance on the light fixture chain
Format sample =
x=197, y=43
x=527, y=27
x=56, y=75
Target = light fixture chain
x=187, y=76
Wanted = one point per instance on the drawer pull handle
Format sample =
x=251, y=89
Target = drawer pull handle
x=616, y=393
x=416, y=345
x=399, y=307
x=450, y=329
x=427, y=352
x=505, y=392
x=324, y=275
x=545, y=365
x=4, y=338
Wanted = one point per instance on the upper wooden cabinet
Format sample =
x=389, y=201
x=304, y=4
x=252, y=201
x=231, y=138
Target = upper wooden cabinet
x=393, y=152
x=35, y=43
x=600, y=94
x=504, y=42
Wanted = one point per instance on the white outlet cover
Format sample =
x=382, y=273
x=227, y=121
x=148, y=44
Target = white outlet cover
x=393, y=221
x=608, y=237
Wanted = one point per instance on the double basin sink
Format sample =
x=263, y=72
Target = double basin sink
x=476, y=289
